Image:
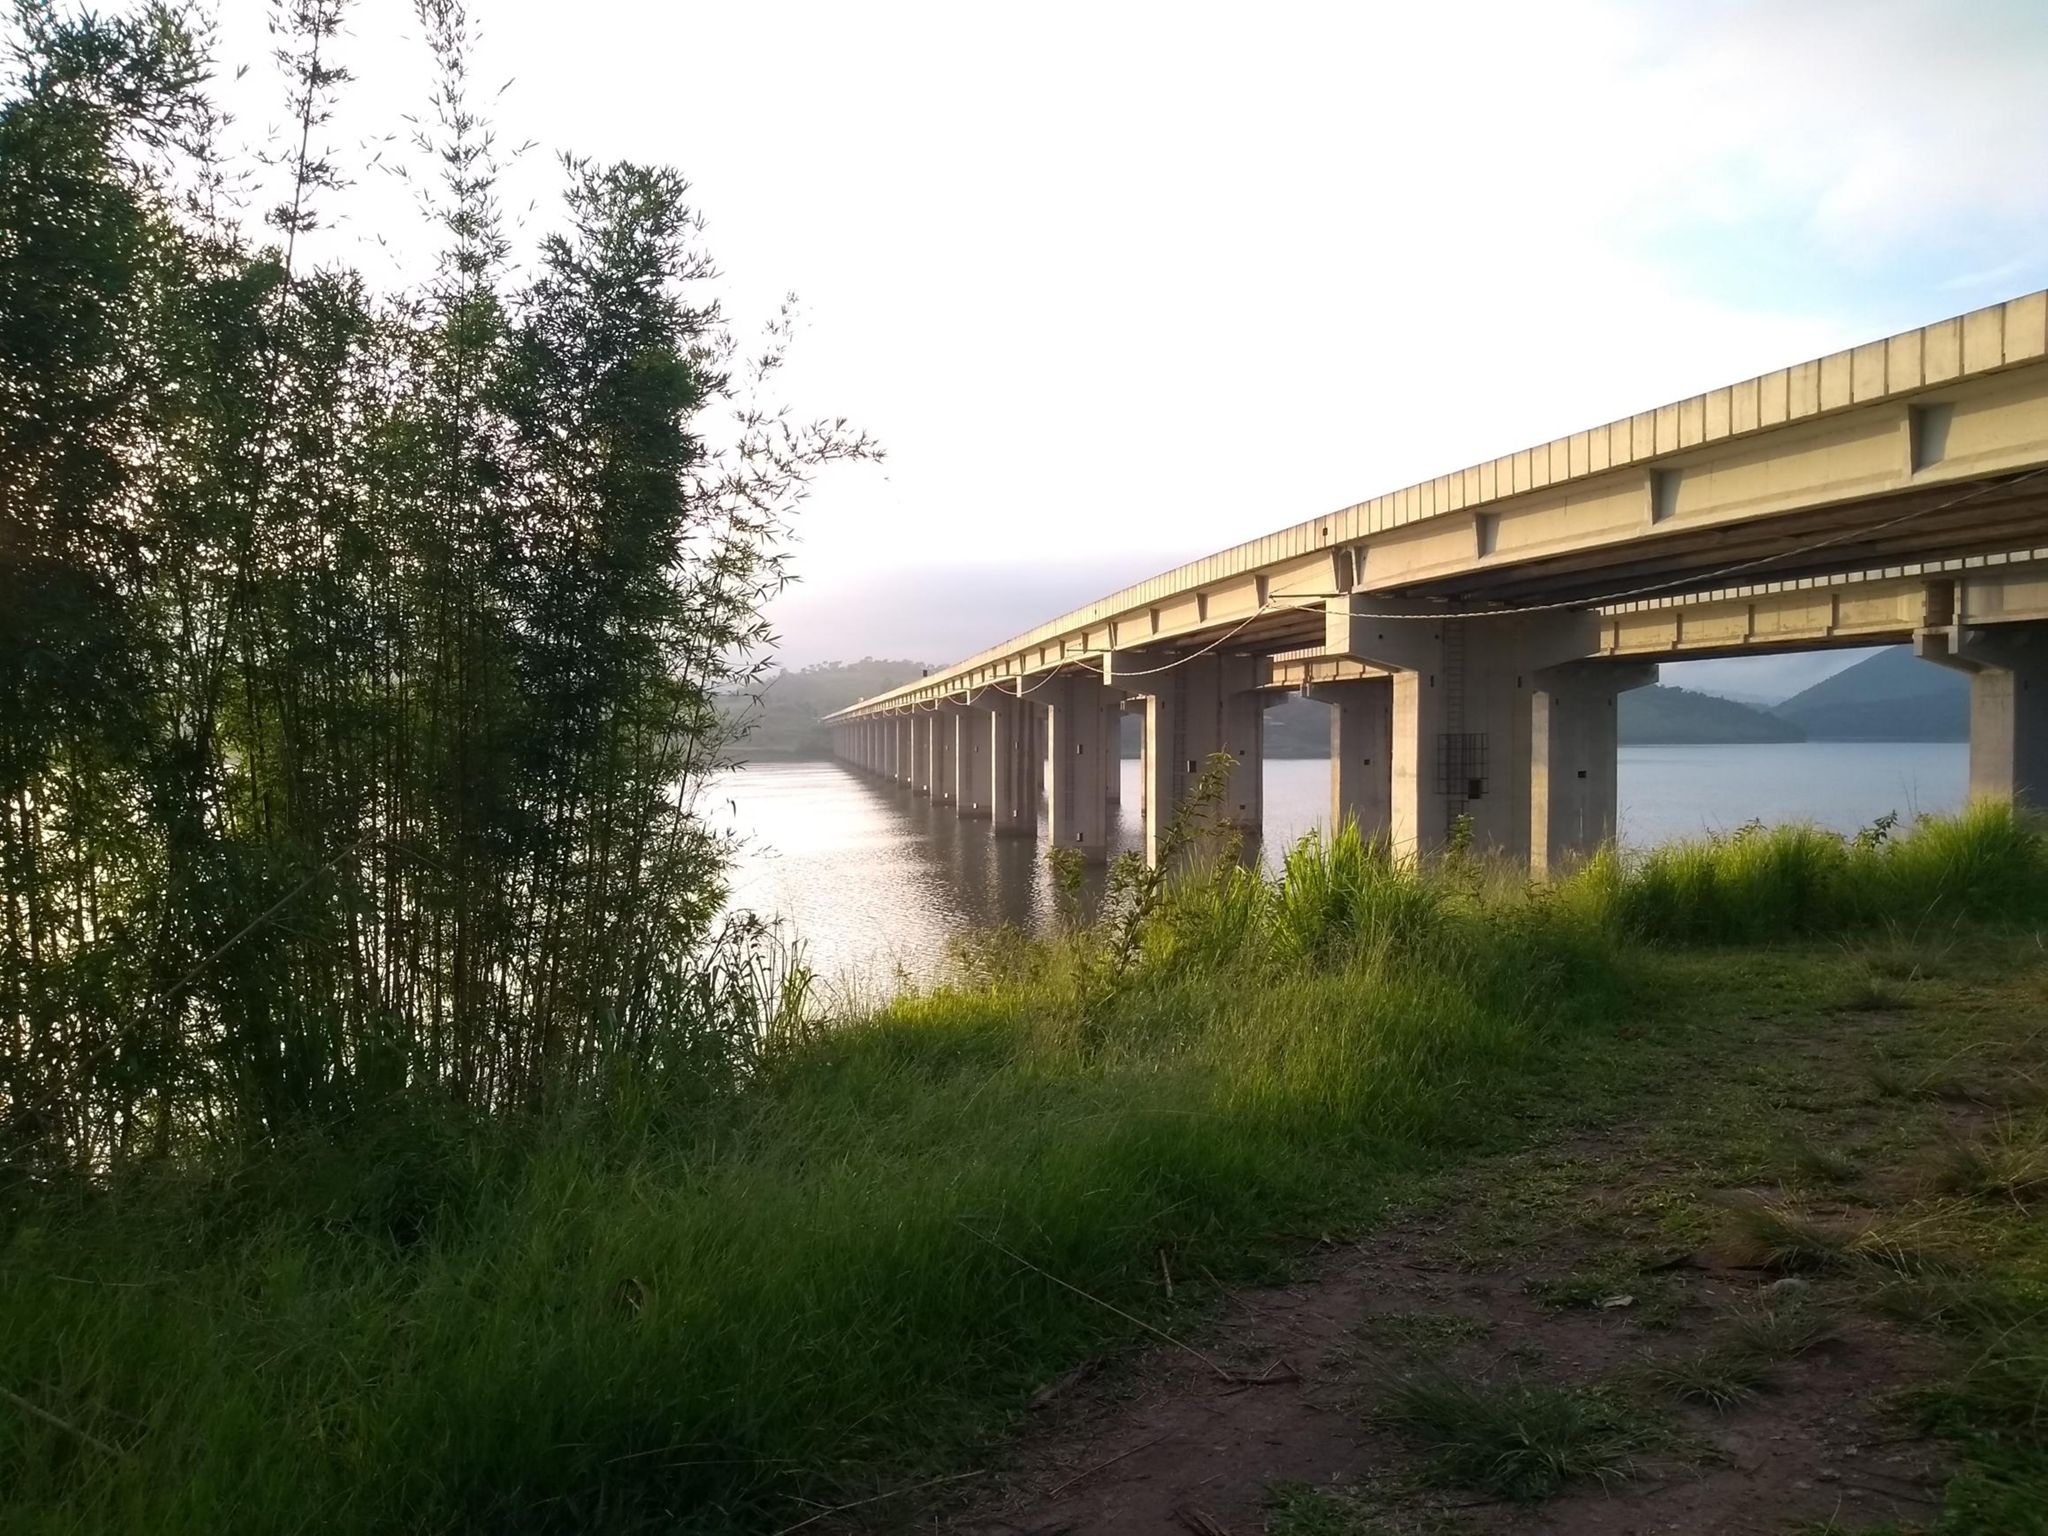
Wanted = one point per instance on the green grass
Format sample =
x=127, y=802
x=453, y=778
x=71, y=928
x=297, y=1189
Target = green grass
x=1738, y=1360
x=2011, y=1160
x=1809, y=1162
x=1297, y=1509
x=1424, y=1332
x=1765, y=1235
x=1762, y=884
x=1712, y=1376
x=719, y=1312
x=1518, y=1440
x=1775, y=1329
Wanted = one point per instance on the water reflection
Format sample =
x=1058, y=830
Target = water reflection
x=875, y=881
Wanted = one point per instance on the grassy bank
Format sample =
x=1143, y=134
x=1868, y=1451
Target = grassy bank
x=727, y=1310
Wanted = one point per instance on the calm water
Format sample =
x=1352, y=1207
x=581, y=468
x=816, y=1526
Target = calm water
x=872, y=880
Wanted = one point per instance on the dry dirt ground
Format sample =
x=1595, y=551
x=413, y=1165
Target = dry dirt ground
x=1605, y=1259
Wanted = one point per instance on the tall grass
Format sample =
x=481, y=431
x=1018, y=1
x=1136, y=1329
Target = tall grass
x=682, y=1308
x=1758, y=883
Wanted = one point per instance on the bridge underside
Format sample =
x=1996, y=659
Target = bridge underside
x=1448, y=724
x=1951, y=521
x=1472, y=633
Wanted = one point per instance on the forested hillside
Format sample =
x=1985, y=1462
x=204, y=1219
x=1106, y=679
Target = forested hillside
x=785, y=720
x=1659, y=716
x=1892, y=696
x=785, y=716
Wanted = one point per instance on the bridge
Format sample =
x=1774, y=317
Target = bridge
x=1471, y=633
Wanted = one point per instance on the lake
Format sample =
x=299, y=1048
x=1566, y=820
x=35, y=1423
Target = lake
x=874, y=881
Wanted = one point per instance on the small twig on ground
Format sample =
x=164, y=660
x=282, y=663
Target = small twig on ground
x=48, y=1417
x=1278, y=1374
x=1073, y=1378
x=1166, y=1273
x=840, y=1509
x=1012, y=1253
x=1101, y=1465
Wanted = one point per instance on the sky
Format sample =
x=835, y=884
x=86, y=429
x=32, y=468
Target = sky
x=1121, y=284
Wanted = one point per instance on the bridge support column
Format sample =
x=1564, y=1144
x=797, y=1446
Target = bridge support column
x=2008, y=667
x=904, y=763
x=1361, y=753
x=1081, y=742
x=972, y=780
x=943, y=731
x=921, y=753
x=1192, y=710
x=1460, y=715
x=1016, y=767
x=1573, y=798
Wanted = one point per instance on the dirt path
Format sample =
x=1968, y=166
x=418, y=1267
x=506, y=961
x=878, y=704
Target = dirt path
x=1603, y=1311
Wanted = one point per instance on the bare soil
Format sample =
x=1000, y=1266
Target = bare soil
x=1578, y=1261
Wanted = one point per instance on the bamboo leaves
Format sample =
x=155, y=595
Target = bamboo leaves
x=359, y=650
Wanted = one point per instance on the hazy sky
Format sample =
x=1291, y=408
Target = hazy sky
x=1118, y=284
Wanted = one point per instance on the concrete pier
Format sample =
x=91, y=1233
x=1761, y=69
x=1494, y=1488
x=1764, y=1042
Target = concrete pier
x=1361, y=753
x=2008, y=668
x=1080, y=729
x=1573, y=796
x=1016, y=768
x=921, y=753
x=972, y=780
x=945, y=734
x=1193, y=708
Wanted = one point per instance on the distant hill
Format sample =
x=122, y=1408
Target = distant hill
x=1648, y=716
x=1892, y=696
x=788, y=719
x=1659, y=716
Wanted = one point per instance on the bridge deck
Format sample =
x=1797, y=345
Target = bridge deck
x=1920, y=448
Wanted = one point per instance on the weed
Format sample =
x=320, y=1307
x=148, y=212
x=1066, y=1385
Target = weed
x=1425, y=1332
x=1908, y=954
x=1736, y=1364
x=1811, y=1162
x=1616, y=1274
x=1928, y=1239
x=1714, y=1376
x=1518, y=1441
x=1756, y=1234
x=1300, y=1509
x=1779, y=1329
x=1869, y=992
x=2011, y=1161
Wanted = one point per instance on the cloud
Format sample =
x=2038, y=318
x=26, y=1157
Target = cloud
x=1131, y=283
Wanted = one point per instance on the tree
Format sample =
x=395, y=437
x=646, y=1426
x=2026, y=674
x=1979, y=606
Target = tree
x=360, y=650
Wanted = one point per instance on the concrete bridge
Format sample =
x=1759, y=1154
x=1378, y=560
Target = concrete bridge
x=1471, y=633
